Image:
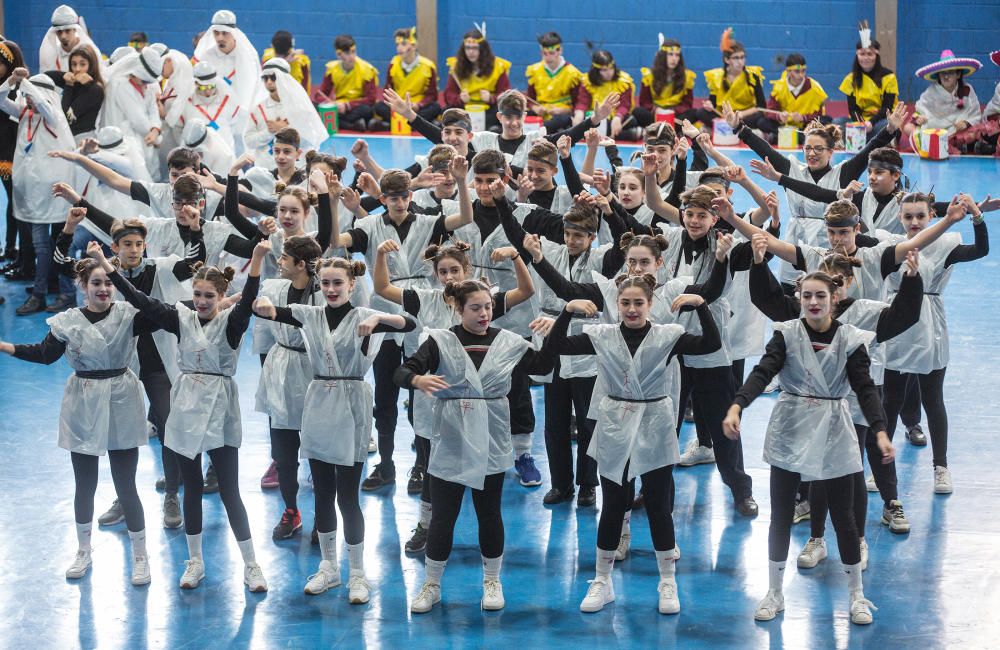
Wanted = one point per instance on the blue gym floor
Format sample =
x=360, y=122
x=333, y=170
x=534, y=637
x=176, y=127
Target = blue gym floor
x=936, y=587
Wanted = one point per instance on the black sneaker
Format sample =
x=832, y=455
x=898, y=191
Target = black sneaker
x=211, y=481
x=587, y=496
x=32, y=305
x=416, y=483
x=380, y=478
x=161, y=484
x=746, y=507
x=555, y=495
x=314, y=538
x=573, y=431
x=916, y=436
x=418, y=542
x=291, y=523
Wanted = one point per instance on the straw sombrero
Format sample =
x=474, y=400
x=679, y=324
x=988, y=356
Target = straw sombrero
x=949, y=61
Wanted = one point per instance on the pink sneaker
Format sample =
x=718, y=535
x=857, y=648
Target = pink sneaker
x=270, y=479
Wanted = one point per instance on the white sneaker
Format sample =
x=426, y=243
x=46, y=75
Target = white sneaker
x=358, y=590
x=864, y=555
x=492, y=596
x=253, y=578
x=624, y=542
x=194, y=573
x=140, y=570
x=861, y=610
x=695, y=454
x=870, y=484
x=677, y=551
x=770, y=606
x=429, y=595
x=372, y=446
x=812, y=553
x=600, y=593
x=669, y=602
x=942, y=480
x=802, y=510
x=326, y=578
x=894, y=517
x=81, y=564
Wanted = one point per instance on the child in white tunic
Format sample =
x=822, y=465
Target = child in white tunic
x=339, y=362
x=636, y=420
x=810, y=435
x=205, y=411
x=102, y=409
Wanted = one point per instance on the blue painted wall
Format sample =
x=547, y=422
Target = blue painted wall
x=823, y=31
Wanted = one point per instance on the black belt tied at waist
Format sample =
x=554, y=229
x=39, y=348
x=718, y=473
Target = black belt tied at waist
x=828, y=399
x=337, y=378
x=450, y=399
x=198, y=372
x=637, y=401
x=101, y=374
x=293, y=348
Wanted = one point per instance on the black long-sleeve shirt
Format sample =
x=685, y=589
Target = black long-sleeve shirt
x=427, y=358
x=51, y=348
x=247, y=228
x=693, y=344
x=168, y=319
x=80, y=102
x=849, y=171
x=858, y=373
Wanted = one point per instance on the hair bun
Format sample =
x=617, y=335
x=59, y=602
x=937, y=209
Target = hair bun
x=662, y=242
x=358, y=268
x=279, y=187
x=229, y=273
x=649, y=279
x=626, y=240
x=431, y=252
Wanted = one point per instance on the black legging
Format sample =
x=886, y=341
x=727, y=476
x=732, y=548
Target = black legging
x=157, y=387
x=784, y=485
x=389, y=357
x=123, y=464
x=932, y=398
x=657, y=486
x=338, y=483
x=11, y=236
x=818, y=506
x=226, y=461
x=562, y=397
x=423, y=446
x=522, y=412
x=447, y=503
x=285, y=452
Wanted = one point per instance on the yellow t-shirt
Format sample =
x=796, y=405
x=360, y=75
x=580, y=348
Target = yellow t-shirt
x=350, y=85
x=623, y=85
x=740, y=94
x=869, y=96
x=475, y=83
x=299, y=65
x=416, y=81
x=553, y=88
x=809, y=102
x=668, y=98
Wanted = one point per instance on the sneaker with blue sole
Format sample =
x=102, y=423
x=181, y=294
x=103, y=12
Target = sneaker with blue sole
x=529, y=475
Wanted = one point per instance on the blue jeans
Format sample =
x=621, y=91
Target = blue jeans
x=43, y=236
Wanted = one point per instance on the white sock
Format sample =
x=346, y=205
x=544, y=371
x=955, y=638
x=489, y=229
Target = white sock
x=522, y=444
x=433, y=570
x=425, y=515
x=854, y=585
x=356, y=558
x=605, y=562
x=491, y=568
x=194, y=546
x=328, y=546
x=138, y=543
x=627, y=523
x=83, y=535
x=246, y=550
x=775, y=575
x=665, y=563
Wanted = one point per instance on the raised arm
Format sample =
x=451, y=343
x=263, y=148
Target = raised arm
x=782, y=249
x=560, y=285
x=557, y=342
x=573, y=182
x=380, y=274
x=960, y=205
x=159, y=312
x=696, y=344
x=904, y=311
x=459, y=168
x=106, y=175
x=525, y=286
x=653, y=198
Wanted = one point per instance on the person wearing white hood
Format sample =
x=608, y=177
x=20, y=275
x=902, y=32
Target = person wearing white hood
x=42, y=127
x=178, y=86
x=282, y=102
x=230, y=52
x=130, y=103
x=214, y=103
x=68, y=32
x=216, y=152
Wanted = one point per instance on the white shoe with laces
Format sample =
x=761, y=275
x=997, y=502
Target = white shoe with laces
x=140, y=571
x=812, y=553
x=864, y=555
x=81, y=564
x=326, y=578
x=861, y=609
x=428, y=596
x=600, y=593
x=870, y=484
x=942, y=480
x=695, y=454
x=772, y=604
x=358, y=590
x=194, y=573
x=253, y=578
x=372, y=446
x=624, y=542
x=669, y=602
x=677, y=551
x=492, y=596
